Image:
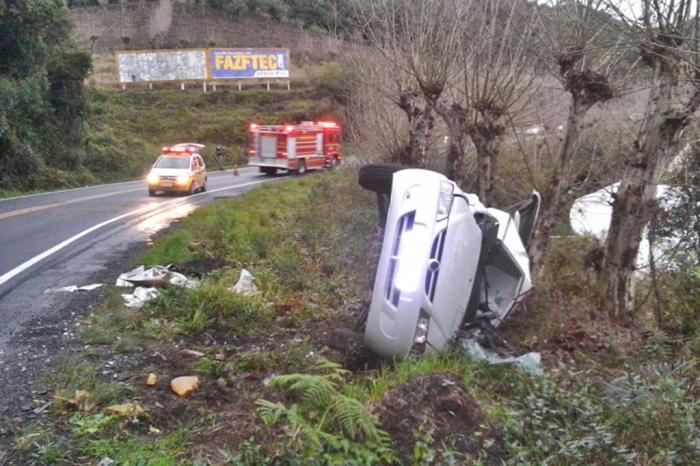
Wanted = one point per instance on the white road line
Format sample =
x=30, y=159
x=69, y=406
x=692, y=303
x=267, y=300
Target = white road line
x=34, y=260
x=140, y=180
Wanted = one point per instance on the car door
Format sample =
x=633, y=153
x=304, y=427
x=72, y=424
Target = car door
x=202, y=171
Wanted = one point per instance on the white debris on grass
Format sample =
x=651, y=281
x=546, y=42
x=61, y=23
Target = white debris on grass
x=140, y=296
x=157, y=276
x=528, y=362
x=73, y=288
x=245, y=285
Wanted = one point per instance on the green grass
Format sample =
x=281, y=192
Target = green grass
x=127, y=129
x=306, y=241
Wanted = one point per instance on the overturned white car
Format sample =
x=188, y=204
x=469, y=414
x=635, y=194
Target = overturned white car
x=446, y=260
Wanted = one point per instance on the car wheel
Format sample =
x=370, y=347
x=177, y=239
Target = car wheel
x=301, y=169
x=190, y=191
x=151, y=192
x=269, y=171
x=378, y=177
x=204, y=187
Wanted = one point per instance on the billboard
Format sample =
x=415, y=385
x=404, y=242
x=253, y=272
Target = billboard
x=248, y=63
x=170, y=65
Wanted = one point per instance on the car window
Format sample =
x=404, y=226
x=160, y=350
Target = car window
x=173, y=162
x=195, y=163
x=201, y=162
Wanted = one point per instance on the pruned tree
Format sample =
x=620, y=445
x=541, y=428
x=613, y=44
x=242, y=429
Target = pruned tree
x=576, y=45
x=665, y=33
x=417, y=42
x=497, y=77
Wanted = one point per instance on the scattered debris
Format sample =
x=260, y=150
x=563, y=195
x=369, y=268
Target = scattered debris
x=529, y=362
x=153, y=430
x=184, y=386
x=245, y=285
x=193, y=353
x=73, y=288
x=80, y=399
x=42, y=408
x=140, y=296
x=106, y=461
x=152, y=380
x=158, y=276
x=126, y=409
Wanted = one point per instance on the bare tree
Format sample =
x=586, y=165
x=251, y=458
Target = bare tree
x=497, y=77
x=574, y=46
x=418, y=42
x=666, y=34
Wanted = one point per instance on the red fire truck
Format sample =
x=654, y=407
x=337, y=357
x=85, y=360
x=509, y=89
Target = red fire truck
x=296, y=148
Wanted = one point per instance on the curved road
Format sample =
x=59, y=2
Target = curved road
x=61, y=238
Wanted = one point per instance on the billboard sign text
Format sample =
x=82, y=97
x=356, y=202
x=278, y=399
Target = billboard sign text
x=248, y=63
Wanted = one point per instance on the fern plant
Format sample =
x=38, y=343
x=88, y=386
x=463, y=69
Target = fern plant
x=324, y=424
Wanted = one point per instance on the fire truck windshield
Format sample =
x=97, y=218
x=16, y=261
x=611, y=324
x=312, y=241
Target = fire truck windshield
x=173, y=162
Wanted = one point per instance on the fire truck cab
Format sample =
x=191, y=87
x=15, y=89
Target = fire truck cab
x=295, y=148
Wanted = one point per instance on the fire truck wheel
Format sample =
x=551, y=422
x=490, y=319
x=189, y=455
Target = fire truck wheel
x=378, y=177
x=269, y=171
x=301, y=169
x=151, y=192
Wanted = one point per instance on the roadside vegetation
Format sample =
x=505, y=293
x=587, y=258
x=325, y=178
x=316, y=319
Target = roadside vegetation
x=277, y=388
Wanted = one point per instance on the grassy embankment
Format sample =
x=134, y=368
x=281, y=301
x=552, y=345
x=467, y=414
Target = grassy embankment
x=125, y=130
x=605, y=398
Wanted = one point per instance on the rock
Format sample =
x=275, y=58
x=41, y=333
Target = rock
x=152, y=380
x=126, y=409
x=184, y=386
x=122, y=377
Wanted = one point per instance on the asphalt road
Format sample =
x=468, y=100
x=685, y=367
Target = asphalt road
x=61, y=238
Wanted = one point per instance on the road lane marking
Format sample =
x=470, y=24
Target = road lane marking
x=228, y=170
x=29, y=210
x=38, y=258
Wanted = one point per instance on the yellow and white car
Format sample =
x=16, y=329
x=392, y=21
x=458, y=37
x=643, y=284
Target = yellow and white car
x=180, y=168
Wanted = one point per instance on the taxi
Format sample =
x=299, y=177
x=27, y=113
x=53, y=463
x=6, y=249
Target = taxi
x=180, y=168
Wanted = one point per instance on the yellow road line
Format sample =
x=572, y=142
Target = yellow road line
x=29, y=210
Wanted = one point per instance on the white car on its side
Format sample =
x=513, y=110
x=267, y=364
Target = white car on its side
x=446, y=260
x=180, y=168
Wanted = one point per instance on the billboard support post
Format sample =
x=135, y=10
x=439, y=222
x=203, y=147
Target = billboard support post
x=204, y=87
x=239, y=86
x=182, y=86
x=268, y=85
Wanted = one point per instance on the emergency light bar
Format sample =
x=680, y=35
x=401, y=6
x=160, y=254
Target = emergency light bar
x=327, y=124
x=175, y=149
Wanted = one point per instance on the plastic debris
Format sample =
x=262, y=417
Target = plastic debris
x=152, y=380
x=158, y=276
x=81, y=399
x=193, y=353
x=140, y=296
x=106, y=461
x=245, y=285
x=126, y=409
x=184, y=386
x=73, y=288
x=528, y=362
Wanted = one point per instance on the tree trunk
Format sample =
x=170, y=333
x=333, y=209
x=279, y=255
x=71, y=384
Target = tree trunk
x=656, y=144
x=421, y=120
x=552, y=199
x=486, y=137
x=455, y=117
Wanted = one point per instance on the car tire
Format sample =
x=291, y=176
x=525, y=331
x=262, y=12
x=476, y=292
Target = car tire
x=204, y=187
x=151, y=192
x=190, y=191
x=378, y=178
x=269, y=171
x=301, y=169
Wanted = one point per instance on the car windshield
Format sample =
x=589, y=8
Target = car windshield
x=173, y=162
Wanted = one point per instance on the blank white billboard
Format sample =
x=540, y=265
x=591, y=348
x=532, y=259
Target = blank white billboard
x=171, y=65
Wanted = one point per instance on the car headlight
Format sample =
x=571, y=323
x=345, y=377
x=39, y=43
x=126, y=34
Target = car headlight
x=152, y=178
x=411, y=261
x=444, y=200
x=183, y=179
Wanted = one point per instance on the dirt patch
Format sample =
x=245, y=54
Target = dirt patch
x=437, y=405
x=201, y=267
